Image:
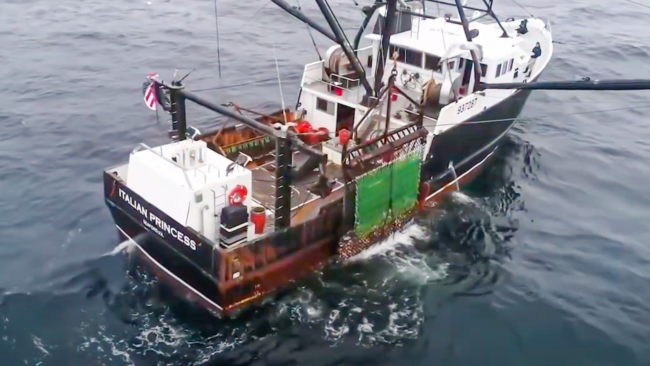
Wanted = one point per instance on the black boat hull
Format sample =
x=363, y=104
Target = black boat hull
x=166, y=264
x=467, y=145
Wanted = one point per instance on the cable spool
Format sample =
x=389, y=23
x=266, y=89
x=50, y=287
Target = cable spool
x=431, y=93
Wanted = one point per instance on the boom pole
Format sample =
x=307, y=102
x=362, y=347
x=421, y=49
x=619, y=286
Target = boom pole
x=585, y=84
x=303, y=18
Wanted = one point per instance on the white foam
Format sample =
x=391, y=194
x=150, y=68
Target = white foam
x=402, y=237
x=128, y=245
x=461, y=197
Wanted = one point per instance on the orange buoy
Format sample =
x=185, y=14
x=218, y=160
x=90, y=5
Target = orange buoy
x=344, y=136
x=323, y=132
x=313, y=138
x=303, y=127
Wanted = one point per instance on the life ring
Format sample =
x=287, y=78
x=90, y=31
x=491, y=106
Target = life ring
x=237, y=195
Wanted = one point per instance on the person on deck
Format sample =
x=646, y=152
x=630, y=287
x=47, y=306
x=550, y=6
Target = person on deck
x=537, y=51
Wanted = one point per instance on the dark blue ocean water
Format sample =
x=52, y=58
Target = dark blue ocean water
x=544, y=260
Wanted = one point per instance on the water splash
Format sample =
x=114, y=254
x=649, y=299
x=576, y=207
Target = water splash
x=127, y=246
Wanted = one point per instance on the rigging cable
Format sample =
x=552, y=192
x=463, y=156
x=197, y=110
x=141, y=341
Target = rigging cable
x=216, y=23
x=522, y=8
x=337, y=23
x=313, y=41
x=304, y=201
x=277, y=68
x=243, y=84
x=637, y=3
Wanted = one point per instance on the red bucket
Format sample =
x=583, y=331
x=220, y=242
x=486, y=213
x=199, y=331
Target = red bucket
x=258, y=218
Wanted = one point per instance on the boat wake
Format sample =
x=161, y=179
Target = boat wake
x=369, y=300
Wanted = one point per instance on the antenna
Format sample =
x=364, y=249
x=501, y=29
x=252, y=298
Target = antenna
x=277, y=69
x=184, y=77
x=216, y=24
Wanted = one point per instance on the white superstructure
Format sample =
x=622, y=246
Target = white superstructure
x=189, y=182
x=434, y=65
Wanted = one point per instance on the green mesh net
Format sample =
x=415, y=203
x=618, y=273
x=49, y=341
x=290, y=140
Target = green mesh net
x=388, y=191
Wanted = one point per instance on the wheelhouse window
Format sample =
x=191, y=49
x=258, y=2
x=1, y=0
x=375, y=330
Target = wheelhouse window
x=432, y=62
x=406, y=56
x=483, y=70
x=378, y=25
x=325, y=106
x=503, y=68
x=510, y=65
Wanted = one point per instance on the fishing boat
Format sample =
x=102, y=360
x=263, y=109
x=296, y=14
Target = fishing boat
x=384, y=127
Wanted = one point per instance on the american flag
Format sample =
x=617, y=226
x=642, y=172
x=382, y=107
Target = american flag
x=150, y=97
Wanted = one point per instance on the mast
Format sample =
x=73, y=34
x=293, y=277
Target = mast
x=477, y=64
x=176, y=108
x=584, y=84
x=389, y=29
x=303, y=18
x=345, y=45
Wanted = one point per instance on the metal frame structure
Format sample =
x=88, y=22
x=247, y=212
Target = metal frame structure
x=339, y=37
x=285, y=143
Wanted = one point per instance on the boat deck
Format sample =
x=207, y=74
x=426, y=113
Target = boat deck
x=304, y=204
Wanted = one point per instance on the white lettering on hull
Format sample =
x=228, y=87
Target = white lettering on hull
x=156, y=224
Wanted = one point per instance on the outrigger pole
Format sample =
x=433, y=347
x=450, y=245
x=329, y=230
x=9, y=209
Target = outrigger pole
x=303, y=18
x=585, y=84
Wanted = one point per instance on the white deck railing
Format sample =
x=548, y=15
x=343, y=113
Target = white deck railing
x=315, y=73
x=141, y=146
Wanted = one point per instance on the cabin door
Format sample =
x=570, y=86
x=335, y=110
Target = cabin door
x=344, y=118
x=467, y=76
x=235, y=269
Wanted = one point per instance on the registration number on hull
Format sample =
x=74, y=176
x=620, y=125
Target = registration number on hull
x=466, y=106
